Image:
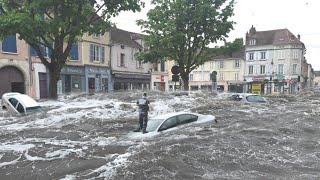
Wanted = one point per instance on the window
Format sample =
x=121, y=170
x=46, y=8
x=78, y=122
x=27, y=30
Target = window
x=252, y=42
x=20, y=108
x=169, y=123
x=262, y=69
x=294, y=68
x=122, y=59
x=74, y=54
x=281, y=54
x=255, y=98
x=190, y=77
x=96, y=35
x=122, y=46
x=236, y=76
x=262, y=55
x=280, y=69
x=295, y=54
x=221, y=64
x=237, y=63
x=250, y=69
x=155, y=66
x=211, y=64
x=13, y=102
x=9, y=44
x=187, y=118
x=97, y=53
x=45, y=51
x=202, y=67
x=251, y=56
x=139, y=64
x=221, y=76
x=162, y=66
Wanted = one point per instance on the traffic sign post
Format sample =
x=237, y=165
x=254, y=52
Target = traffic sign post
x=175, y=77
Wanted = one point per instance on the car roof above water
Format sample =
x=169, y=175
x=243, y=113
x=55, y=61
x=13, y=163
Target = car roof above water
x=166, y=116
x=24, y=99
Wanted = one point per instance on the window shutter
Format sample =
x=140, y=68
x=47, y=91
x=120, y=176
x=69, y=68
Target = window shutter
x=102, y=55
x=9, y=44
x=74, y=54
x=91, y=56
x=33, y=52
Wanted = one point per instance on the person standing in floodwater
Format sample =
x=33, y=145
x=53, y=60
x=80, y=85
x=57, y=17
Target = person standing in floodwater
x=143, y=104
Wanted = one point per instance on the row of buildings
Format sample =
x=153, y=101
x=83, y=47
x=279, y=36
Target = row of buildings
x=270, y=62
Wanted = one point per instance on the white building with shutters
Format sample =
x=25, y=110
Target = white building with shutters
x=127, y=72
x=274, y=61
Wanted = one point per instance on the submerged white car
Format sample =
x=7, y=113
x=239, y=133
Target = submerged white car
x=167, y=121
x=253, y=98
x=19, y=103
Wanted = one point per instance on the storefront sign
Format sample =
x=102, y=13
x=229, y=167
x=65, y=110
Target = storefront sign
x=96, y=70
x=258, y=78
x=256, y=88
x=73, y=70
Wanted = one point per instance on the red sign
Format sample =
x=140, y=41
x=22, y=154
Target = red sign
x=161, y=78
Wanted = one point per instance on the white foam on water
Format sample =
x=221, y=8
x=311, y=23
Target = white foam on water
x=16, y=147
x=10, y=162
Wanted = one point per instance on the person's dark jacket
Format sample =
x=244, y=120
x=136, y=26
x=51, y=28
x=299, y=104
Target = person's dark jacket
x=143, y=104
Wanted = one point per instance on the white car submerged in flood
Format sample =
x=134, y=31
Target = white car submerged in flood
x=17, y=103
x=248, y=98
x=170, y=121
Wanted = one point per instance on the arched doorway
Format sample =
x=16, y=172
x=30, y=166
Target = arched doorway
x=11, y=80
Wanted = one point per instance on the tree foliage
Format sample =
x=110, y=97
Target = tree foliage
x=57, y=24
x=227, y=50
x=181, y=30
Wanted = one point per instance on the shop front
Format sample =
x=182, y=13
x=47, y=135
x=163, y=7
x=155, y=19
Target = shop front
x=160, y=82
x=124, y=81
x=97, y=79
x=72, y=80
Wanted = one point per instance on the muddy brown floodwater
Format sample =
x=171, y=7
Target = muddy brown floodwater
x=88, y=137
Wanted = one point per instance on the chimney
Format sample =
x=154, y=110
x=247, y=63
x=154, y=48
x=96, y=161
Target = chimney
x=299, y=36
x=252, y=30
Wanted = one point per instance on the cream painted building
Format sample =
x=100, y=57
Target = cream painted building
x=127, y=72
x=160, y=76
x=230, y=73
x=316, y=79
x=15, y=66
x=275, y=61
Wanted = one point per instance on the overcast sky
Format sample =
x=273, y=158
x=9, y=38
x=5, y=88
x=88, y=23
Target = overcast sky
x=299, y=16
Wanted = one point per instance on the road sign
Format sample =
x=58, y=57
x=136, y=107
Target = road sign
x=175, y=78
x=175, y=69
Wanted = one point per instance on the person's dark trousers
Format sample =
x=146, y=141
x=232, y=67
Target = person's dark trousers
x=143, y=120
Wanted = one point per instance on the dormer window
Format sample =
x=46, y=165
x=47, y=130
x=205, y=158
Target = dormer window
x=252, y=42
x=96, y=35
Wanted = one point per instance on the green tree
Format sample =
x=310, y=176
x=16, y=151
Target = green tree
x=181, y=30
x=57, y=24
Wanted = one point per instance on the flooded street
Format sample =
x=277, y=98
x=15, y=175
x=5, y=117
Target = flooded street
x=90, y=137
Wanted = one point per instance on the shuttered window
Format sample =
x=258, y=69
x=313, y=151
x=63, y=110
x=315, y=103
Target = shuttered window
x=97, y=53
x=9, y=44
x=74, y=53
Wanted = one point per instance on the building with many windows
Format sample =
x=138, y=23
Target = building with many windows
x=127, y=72
x=230, y=72
x=274, y=61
